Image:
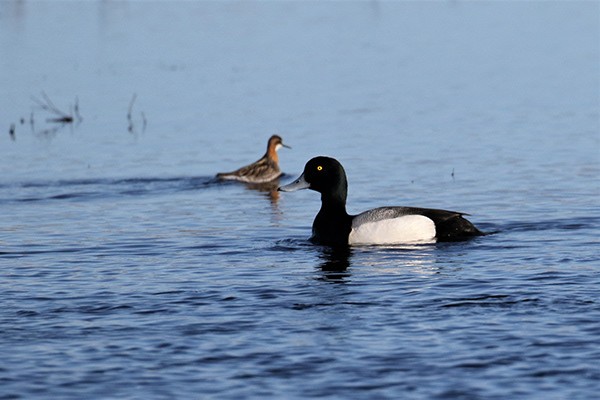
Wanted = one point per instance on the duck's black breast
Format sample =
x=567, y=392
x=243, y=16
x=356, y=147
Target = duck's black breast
x=331, y=227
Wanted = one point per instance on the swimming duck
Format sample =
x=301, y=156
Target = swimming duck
x=264, y=170
x=383, y=225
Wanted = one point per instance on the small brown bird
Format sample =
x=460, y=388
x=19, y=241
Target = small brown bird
x=264, y=170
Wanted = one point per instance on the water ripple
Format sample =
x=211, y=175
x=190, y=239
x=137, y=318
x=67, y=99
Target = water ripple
x=101, y=188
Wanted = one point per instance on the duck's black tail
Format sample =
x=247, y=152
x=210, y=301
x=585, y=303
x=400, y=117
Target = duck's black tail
x=456, y=228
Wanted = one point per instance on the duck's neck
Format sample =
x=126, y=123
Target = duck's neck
x=334, y=202
x=332, y=224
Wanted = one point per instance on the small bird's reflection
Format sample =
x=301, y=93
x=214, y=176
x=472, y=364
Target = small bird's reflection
x=269, y=189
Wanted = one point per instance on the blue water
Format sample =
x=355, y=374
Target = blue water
x=127, y=271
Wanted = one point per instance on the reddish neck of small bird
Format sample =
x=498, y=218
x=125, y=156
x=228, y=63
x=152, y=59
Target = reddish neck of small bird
x=272, y=152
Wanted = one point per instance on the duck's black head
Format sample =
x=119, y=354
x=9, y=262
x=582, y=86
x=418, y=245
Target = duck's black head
x=324, y=175
x=327, y=176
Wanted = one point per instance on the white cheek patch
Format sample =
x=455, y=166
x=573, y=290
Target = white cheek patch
x=401, y=230
x=278, y=146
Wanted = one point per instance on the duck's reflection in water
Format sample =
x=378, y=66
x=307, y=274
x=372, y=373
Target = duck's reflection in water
x=335, y=262
x=397, y=260
x=418, y=259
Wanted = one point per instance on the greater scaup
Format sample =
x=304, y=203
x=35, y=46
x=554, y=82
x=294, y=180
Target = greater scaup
x=264, y=170
x=383, y=225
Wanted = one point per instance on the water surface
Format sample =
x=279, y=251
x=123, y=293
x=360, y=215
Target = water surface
x=127, y=271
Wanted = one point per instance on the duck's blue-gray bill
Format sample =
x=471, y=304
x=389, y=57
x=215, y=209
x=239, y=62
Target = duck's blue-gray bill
x=298, y=184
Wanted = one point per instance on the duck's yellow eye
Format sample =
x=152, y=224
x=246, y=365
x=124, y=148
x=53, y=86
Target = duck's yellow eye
x=319, y=168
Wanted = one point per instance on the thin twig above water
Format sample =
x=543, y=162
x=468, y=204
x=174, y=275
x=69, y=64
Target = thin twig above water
x=46, y=104
x=130, y=122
